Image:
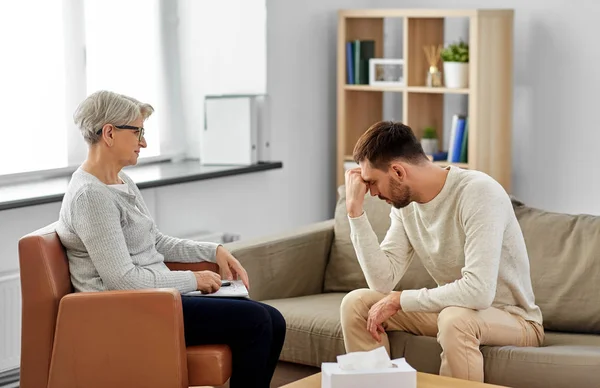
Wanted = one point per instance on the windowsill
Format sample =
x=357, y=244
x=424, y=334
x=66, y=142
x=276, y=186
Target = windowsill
x=41, y=191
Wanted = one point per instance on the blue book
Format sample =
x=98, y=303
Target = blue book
x=350, y=63
x=458, y=140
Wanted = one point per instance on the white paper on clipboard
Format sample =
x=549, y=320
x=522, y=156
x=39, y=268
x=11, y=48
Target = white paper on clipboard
x=237, y=289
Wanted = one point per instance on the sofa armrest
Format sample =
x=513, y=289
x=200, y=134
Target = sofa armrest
x=286, y=265
x=120, y=338
x=201, y=266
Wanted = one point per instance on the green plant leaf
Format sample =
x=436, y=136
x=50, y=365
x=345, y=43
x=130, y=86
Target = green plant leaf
x=456, y=52
x=429, y=133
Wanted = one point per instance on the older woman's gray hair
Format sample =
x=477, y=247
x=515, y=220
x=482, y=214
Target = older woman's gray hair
x=105, y=107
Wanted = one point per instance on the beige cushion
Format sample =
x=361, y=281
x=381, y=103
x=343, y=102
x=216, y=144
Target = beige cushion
x=343, y=272
x=564, y=253
x=564, y=361
x=423, y=353
x=314, y=332
x=553, y=366
x=556, y=338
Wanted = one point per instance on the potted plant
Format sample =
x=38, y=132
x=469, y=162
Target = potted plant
x=456, y=65
x=429, y=141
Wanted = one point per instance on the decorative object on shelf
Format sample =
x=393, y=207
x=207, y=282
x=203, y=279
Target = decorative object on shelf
x=456, y=65
x=434, y=76
x=440, y=156
x=429, y=141
x=386, y=72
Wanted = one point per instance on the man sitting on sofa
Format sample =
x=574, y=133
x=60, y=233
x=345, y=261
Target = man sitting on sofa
x=461, y=225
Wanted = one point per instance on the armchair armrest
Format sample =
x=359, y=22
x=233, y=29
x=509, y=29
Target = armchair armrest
x=120, y=338
x=286, y=265
x=202, y=266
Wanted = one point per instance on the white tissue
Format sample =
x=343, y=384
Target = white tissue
x=374, y=359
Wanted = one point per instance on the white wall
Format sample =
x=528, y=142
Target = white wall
x=301, y=76
x=556, y=163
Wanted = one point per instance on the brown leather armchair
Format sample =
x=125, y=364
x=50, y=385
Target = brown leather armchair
x=105, y=339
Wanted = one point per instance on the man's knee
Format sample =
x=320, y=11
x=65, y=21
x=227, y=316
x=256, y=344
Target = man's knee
x=454, y=320
x=358, y=302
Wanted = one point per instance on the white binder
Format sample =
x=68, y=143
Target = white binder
x=236, y=130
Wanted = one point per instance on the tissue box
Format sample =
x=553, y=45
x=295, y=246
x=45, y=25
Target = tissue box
x=402, y=376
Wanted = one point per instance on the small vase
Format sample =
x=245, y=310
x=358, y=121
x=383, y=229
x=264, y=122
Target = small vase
x=434, y=77
x=456, y=75
x=430, y=146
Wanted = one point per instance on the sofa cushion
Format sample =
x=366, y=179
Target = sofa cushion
x=343, y=272
x=549, y=366
x=556, y=338
x=563, y=361
x=423, y=353
x=564, y=255
x=314, y=332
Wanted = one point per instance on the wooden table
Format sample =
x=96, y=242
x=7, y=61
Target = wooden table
x=424, y=380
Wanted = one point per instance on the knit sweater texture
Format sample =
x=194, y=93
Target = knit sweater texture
x=468, y=239
x=113, y=243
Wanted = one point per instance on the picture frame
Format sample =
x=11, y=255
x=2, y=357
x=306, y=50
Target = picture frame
x=386, y=72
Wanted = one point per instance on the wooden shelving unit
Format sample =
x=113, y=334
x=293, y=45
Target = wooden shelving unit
x=489, y=93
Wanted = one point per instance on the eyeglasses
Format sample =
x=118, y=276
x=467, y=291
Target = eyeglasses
x=130, y=127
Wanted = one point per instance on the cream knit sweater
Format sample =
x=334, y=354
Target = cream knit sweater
x=468, y=239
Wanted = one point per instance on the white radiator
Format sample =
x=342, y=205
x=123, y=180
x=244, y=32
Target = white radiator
x=10, y=321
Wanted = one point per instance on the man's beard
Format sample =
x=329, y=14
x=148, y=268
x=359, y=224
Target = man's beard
x=400, y=195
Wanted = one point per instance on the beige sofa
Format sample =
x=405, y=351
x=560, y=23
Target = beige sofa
x=306, y=273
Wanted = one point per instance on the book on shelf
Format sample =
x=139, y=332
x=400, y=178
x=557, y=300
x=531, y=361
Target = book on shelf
x=358, y=53
x=459, y=139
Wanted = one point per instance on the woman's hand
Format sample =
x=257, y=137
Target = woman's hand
x=208, y=281
x=231, y=267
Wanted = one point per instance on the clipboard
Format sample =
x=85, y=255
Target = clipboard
x=236, y=289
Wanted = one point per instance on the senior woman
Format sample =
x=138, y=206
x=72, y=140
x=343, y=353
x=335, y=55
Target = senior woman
x=112, y=243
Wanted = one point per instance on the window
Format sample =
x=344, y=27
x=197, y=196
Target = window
x=32, y=91
x=68, y=49
x=123, y=55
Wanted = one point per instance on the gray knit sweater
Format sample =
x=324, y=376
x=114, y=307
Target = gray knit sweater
x=112, y=242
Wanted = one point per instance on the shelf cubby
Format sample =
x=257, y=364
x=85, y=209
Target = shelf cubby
x=488, y=95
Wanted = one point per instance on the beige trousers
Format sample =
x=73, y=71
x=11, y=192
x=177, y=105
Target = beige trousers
x=459, y=331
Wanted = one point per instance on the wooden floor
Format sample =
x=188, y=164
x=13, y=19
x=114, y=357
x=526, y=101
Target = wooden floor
x=286, y=373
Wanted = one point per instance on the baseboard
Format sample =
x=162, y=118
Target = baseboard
x=10, y=378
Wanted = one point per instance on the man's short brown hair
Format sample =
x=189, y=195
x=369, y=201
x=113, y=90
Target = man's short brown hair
x=386, y=141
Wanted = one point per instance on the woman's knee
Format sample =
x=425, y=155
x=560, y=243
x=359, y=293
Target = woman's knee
x=277, y=319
